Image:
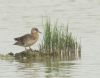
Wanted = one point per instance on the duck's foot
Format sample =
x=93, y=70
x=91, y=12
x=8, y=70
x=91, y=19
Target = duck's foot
x=31, y=49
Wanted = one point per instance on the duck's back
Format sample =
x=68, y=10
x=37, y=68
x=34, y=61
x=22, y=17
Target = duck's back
x=22, y=38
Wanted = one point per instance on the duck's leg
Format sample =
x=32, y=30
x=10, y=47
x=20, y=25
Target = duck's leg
x=25, y=49
x=30, y=48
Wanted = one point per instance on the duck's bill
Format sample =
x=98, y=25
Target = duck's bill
x=40, y=32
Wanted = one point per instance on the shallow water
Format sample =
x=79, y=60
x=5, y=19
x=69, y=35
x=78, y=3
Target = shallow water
x=17, y=17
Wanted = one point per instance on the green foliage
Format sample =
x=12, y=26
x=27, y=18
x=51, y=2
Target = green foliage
x=57, y=39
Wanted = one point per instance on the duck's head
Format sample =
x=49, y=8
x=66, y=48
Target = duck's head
x=35, y=31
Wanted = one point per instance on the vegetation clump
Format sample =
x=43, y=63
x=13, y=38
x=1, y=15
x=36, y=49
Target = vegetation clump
x=58, y=41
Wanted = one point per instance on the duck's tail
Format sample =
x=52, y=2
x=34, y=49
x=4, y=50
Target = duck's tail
x=15, y=43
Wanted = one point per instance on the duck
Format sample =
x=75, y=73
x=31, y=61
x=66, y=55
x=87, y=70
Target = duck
x=28, y=40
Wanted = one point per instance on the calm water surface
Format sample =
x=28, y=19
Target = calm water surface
x=17, y=17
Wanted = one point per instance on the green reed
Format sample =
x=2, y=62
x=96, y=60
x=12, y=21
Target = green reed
x=58, y=40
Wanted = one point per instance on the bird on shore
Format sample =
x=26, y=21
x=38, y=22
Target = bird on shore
x=28, y=40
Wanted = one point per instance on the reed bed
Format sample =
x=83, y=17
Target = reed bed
x=58, y=41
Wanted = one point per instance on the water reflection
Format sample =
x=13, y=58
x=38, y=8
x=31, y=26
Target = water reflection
x=60, y=66
x=47, y=67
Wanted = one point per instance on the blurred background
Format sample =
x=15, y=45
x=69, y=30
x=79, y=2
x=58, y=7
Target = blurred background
x=17, y=17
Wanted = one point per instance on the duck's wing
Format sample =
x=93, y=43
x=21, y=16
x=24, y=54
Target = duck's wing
x=19, y=43
x=22, y=38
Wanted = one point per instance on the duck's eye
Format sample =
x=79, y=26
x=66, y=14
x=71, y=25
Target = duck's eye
x=36, y=29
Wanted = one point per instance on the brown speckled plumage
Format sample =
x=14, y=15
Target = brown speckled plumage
x=28, y=40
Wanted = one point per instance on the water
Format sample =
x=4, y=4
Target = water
x=17, y=17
